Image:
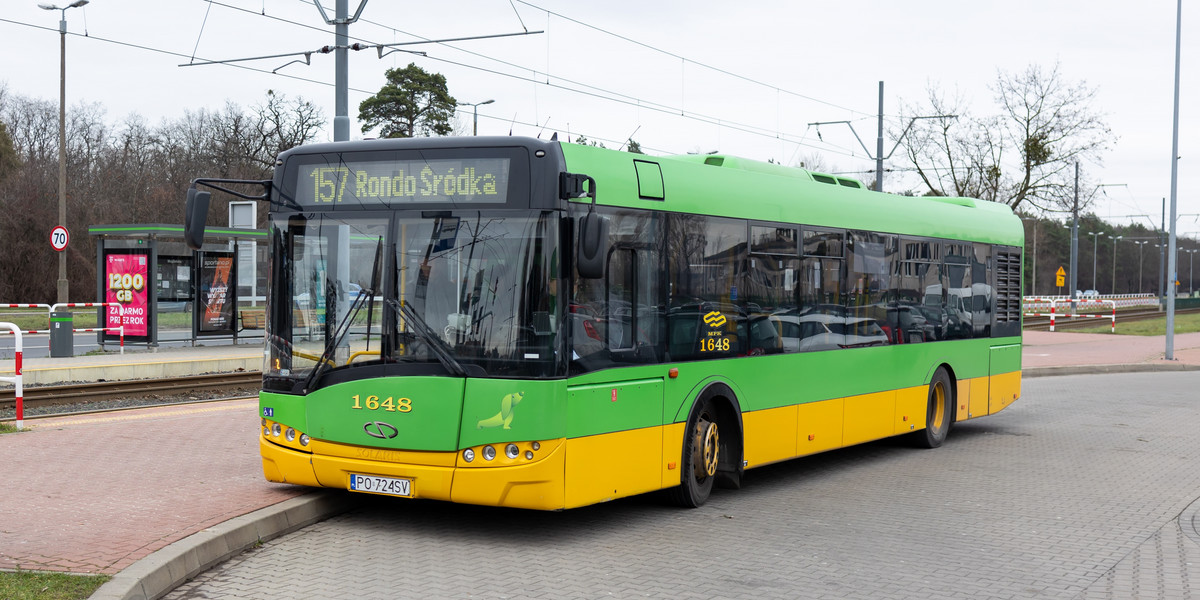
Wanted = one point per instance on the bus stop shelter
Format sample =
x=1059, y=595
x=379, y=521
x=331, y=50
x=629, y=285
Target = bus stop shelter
x=150, y=282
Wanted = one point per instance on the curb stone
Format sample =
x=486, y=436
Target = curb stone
x=171, y=566
x=1153, y=367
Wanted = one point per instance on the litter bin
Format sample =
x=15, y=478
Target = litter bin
x=62, y=334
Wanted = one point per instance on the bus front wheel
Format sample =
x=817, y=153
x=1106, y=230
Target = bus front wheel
x=701, y=453
x=937, y=415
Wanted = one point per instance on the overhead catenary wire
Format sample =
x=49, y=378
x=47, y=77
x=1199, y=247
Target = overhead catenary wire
x=681, y=110
x=604, y=93
x=177, y=54
x=247, y=68
x=204, y=23
x=551, y=80
x=684, y=58
x=601, y=93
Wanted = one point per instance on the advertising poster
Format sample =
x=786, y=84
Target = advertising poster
x=218, y=293
x=127, y=276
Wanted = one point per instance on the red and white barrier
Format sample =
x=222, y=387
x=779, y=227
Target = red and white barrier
x=16, y=379
x=1031, y=303
x=50, y=308
x=120, y=313
x=1054, y=302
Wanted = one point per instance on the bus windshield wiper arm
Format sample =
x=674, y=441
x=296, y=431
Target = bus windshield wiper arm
x=339, y=332
x=436, y=345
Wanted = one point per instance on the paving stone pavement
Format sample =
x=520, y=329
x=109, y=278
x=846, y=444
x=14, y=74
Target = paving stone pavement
x=95, y=493
x=1083, y=489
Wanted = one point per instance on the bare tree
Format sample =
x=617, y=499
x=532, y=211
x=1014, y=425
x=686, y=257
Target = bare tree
x=283, y=125
x=128, y=173
x=1024, y=154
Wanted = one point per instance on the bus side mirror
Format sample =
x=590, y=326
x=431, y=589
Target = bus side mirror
x=592, y=251
x=195, y=213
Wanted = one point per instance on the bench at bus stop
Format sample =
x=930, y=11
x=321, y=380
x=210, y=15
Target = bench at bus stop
x=256, y=318
x=252, y=318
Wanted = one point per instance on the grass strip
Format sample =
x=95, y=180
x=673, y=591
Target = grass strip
x=22, y=585
x=1188, y=323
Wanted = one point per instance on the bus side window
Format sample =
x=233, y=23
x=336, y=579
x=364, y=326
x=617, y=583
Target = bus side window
x=770, y=289
x=706, y=318
x=822, y=314
x=617, y=320
x=982, y=297
x=869, y=286
x=620, y=302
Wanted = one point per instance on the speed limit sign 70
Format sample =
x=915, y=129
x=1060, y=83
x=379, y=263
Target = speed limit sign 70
x=59, y=238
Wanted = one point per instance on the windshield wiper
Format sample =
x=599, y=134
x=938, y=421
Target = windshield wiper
x=365, y=297
x=339, y=332
x=435, y=343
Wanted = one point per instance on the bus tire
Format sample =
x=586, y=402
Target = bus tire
x=701, y=451
x=938, y=413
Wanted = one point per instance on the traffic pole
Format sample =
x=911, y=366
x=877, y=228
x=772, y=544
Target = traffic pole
x=16, y=379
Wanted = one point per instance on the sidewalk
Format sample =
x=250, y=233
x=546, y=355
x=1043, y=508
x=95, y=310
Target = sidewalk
x=157, y=495
x=1061, y=353
x=95, y=493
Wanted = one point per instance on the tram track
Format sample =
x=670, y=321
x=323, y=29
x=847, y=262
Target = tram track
x=145, y=392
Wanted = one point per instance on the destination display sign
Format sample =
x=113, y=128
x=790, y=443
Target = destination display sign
x=385, y=182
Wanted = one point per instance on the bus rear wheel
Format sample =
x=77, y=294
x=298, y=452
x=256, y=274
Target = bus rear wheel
x=937, y=414
x=701, y=454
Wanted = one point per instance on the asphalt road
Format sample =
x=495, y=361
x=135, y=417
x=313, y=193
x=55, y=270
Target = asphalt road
x=1073, y=492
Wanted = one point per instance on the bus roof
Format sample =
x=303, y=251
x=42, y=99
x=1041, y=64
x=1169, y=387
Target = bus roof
x=736, y=187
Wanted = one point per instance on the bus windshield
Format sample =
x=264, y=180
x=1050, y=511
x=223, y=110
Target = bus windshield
x=477, y=289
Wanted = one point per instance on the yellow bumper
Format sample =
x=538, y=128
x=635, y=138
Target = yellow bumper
x=536, y=484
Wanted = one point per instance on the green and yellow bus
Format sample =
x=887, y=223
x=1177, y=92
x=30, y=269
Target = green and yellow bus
x=514, y=322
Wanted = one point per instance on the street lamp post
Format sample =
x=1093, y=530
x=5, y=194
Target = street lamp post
x=1162, y=281
x=1033, y=284
x=1095, y=247
x=1141, y=244
x=1177, y=267
x=63, y=287
x=1113, y=289
x=1191, y=259
x=475, y=106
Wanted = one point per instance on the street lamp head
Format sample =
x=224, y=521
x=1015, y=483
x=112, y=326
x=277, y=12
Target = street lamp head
x=476, y=103
x=75, y=4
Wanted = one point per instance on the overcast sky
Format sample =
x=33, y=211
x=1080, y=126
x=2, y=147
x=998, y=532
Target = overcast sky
x=763, y=70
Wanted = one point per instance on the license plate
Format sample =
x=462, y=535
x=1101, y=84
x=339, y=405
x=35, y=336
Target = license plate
x=372, y=484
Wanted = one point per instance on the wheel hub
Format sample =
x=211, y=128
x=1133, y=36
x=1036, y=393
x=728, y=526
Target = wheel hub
x=707, y=449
